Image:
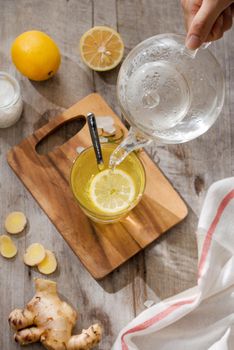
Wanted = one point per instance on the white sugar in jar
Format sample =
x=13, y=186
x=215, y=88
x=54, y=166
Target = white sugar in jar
x=11, y=104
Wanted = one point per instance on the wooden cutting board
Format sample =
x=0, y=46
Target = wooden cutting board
x=101, y=248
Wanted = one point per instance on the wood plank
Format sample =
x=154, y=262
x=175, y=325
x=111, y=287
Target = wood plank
x=118, y=285
x=187, y=166
x=42, y=102
x=104, y=82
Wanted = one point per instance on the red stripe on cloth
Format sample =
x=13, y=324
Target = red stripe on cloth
x=205, y=249
x=210, y=232
x=154, y=319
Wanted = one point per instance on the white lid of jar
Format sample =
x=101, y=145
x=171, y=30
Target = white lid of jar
x=9, y=90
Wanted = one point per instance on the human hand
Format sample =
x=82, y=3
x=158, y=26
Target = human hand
x=206, y=20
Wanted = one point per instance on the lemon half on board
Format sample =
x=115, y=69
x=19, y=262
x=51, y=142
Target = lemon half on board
x=112, y=191
x=101, y=48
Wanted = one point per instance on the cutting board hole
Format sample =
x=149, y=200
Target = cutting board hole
x=60, y=135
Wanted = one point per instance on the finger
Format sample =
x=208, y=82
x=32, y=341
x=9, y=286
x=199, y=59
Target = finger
x=227, y=24
x=190, y=8
x=217, y=30
x=203, y=23
x=227, y=19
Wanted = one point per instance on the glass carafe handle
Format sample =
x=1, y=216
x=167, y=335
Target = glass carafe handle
x=133, y=141
x=192, y=53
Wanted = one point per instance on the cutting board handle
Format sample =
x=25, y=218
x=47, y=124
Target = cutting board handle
x=55, y=124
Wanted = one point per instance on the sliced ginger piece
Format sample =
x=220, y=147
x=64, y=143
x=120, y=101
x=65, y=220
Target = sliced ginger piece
x=35, y=253
x=15, y=222
x=7, y=247
x=49, y=264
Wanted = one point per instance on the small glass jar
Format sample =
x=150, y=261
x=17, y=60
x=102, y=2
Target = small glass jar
x=11, y=103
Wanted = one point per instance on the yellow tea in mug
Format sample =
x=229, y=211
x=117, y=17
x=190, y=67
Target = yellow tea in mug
x=107, y=195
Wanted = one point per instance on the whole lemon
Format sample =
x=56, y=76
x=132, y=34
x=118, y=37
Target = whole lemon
x=35, y=55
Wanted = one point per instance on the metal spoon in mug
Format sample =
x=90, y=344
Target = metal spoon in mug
x=95, y=139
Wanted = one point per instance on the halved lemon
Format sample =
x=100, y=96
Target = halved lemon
x=112, y=191
x=101, y=48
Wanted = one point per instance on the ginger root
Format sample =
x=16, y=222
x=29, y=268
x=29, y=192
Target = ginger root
x=34, y=255
x=15, y=222
x=87, y=339
x=48, y=264
x=50, y=320
x=7, y=247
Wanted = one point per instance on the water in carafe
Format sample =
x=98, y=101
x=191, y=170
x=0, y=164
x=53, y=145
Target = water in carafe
x=157, y=97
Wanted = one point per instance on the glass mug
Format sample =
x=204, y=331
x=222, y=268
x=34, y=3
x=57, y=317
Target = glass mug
x=167, y=93
x=82, y=178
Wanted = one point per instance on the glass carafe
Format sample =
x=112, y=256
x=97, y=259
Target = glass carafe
x=167, y=93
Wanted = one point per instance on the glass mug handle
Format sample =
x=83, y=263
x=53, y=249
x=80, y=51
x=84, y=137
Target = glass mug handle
x=133, y=141
x=192, y=53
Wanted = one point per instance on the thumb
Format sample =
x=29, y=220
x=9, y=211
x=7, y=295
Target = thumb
x=203, y=22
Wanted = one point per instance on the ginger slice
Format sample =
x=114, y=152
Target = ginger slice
x=35, y=253
x=15, y=222
x=49, y=264
x=7, y=247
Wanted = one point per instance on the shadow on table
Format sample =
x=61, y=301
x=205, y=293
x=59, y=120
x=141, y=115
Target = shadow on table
x=109, y=77
x=67, y=86
x=166, y=267
x=72, y=82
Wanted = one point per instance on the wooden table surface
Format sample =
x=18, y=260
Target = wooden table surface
x=167, y=266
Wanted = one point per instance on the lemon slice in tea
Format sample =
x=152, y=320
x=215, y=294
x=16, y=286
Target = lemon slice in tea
x=101, y=48
x=112, y=191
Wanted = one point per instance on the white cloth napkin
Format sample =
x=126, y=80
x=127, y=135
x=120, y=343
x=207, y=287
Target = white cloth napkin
x=200, y=318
